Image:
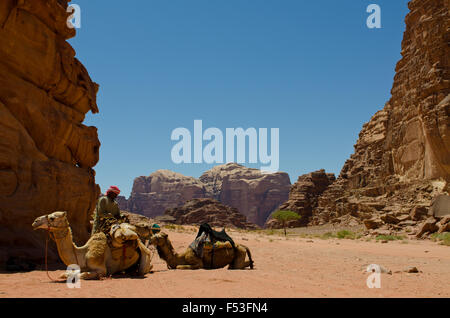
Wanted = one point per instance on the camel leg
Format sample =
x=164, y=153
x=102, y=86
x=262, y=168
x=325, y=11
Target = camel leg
x=92, y=275
x=196, y=266
x=145, y=265
x=97, y=269
x=239, y=261
x=191, y=261
x=63, y=276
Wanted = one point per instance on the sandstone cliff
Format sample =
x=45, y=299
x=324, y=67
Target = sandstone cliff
x=253, y=193
x=303, y=197
x=402, y=156
x=46, y=153
x=162, y=190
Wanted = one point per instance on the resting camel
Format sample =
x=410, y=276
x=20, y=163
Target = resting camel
x=97, y=258
x=235, y=259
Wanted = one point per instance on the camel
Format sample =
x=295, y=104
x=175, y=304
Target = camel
x=97, y=258
x=235, y=259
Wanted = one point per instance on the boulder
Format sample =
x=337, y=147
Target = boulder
x=198, y=211
x=372, y=223
x=444, y=224
x=418, y=213
x=429, y=226
x=440, y=206
x=389, y=219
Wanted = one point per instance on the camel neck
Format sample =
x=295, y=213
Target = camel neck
x=169, y=255
x=66, y=247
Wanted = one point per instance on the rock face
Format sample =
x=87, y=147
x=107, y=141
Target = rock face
x=211, y=211
x=253, y=193
x=162, y=190
x=303, y=197
x=46, y=153
x=402, y=156
x=440, y=206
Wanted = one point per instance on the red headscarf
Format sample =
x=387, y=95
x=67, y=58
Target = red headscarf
x=113, y=189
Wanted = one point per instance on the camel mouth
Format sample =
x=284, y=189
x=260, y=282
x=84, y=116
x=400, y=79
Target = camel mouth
x=40, y=223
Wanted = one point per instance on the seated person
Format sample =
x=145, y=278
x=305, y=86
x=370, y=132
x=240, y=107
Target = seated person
x=106, y=207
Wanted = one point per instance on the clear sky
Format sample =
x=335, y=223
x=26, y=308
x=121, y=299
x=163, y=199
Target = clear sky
x=310, y=68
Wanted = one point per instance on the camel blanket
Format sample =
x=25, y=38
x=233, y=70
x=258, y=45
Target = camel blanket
x=210, y=240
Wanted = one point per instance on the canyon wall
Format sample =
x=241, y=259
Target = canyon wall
x=402, y=156
x=303, y=197
x=163, y=189
x=253, y=193
x=46, y=153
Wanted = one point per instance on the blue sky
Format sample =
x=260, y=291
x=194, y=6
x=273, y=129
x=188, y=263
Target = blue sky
x=310, y=68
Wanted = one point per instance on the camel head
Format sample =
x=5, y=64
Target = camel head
x=123, y=232
x=159, y=239
x=54, y=221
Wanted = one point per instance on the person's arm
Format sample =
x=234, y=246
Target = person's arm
x=101, y=207
x=116, y=211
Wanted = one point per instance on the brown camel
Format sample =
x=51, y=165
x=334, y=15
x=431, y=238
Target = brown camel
x=97, y=258
x=226, y=255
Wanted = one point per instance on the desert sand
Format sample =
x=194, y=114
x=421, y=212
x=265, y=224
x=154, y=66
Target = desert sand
x=293, y=267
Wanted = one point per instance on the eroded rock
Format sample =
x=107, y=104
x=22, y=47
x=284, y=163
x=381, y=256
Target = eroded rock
x=253, y=193
x=46, y=153
x=198, y=211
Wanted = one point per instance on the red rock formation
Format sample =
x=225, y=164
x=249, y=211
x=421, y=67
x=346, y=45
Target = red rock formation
x=210, y=211
x=402, y=156
x=162, y=190
x=46, y=153
x=303, y=197
x=254, y=194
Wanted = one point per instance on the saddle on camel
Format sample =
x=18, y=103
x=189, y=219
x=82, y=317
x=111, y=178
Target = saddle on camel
x=113, y=247
x=209, y=239
x=210, y=250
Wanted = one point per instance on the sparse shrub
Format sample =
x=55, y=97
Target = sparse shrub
x=389, y=238
x=344, y=234
x=443, y=237
x=327, y=235
x=170, y=226
x=284, y=216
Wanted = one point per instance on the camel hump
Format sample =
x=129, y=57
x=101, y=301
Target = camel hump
x=97, y=245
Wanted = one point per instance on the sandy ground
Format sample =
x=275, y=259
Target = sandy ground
x=296, y=267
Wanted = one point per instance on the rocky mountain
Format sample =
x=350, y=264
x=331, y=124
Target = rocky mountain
x=253, y=193
x=162, y=190
x=303, y=197
x=46, y=153
x=402, y=157
x=198, y=211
